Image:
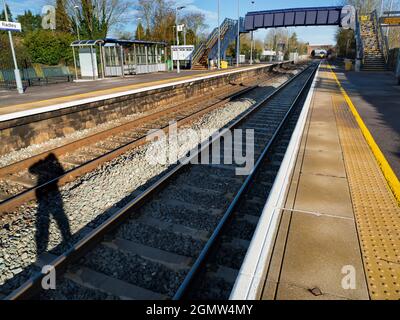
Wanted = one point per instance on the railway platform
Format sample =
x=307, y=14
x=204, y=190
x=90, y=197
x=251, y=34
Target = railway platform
x=338, y=221
x=61, y=94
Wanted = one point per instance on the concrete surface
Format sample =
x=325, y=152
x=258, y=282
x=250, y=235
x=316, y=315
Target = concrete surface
x=317, y=235
x=377, y=98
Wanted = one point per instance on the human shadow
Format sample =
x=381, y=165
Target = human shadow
x=50, y=203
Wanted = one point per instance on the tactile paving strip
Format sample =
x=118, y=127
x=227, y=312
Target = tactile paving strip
x=376, y=210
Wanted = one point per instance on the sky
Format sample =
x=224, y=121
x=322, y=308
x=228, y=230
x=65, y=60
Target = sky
x=228, y=9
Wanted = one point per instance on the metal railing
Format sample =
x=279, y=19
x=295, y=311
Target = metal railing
x=359, y=42
x=198, y=53
x=212, y=39
x=382, y=41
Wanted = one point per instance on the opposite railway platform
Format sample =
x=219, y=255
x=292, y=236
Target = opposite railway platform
x=61, y=94
x=338, y=223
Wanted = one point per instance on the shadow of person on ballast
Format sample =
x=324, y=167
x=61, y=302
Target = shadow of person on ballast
x=50, y=203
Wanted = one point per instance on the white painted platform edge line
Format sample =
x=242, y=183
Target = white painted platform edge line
x=255, y=265
x=21, y=114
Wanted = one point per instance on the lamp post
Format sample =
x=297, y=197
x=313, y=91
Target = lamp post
x=16, y=70
x=178, y=67
x=76, y=8
x=219, y=37
x=251, y=48
x=252, y=42
x=287, y=43
x=238, y=38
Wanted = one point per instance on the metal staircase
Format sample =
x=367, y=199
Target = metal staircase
x=374, y=49
x=209, y=49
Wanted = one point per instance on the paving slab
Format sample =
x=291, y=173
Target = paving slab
x=377, y=97
x=317, y=236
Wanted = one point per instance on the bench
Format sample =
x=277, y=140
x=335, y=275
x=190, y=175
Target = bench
x=31, y=76
x=56, y=74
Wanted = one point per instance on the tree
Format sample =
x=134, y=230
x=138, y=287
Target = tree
x=275, y=36
x=97, y=17
x=22, y=55
x=139, y=34
x=29, y=21
x=48, y=47
x=363, y=6
x=126, y=35
x=159, y=18
x=195, y=22
x=346, y=43
x=63, y=22
x=163, y=22
x=145, y=9
x=190, y=37
x=3, y=16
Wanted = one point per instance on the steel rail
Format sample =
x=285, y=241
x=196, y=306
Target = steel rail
x=72, y=146
x=29, y=194
x=33, y=285
x=205, y=253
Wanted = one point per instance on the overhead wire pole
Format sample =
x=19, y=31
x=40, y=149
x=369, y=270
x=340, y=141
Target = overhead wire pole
x=238, y=38
x=219, y=38
x=251, y=42
x=17, y=73
x=251, y=48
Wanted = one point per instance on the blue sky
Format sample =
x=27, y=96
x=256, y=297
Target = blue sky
x=314, y=35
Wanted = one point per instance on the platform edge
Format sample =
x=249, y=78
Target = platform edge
x=253, y=272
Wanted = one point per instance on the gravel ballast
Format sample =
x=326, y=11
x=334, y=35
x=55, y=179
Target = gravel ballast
x=91, y=199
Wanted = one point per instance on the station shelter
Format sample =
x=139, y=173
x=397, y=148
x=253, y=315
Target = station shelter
x=102, y=58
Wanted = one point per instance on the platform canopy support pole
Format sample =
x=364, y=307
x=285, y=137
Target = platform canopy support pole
x=75, y=65
x=102, y=62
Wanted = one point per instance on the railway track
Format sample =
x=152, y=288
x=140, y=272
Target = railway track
x=19, y=181
x=171, y=240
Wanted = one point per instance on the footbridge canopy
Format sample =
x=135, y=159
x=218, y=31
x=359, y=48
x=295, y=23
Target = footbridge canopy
x=317, y=16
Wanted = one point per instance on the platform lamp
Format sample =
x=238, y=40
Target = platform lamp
x=178, y=67
x=76, y=9
x=17, y=73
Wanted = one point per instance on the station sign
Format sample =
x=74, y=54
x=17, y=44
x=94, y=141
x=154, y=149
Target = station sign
x=182, y=53
x=391, y=21
x=10, y=26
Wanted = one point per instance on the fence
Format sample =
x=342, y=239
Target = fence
x=7, y=75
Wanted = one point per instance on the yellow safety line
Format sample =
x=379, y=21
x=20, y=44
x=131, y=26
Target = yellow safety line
x=387, y=170
x=95, y=93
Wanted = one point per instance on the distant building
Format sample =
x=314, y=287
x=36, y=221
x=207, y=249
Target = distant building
x=311, y=48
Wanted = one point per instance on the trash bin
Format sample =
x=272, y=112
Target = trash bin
x=348, y=65
x=170, y=65
x=224, y=64
x=398, y=69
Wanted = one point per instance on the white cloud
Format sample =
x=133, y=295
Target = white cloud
x=211, y=16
